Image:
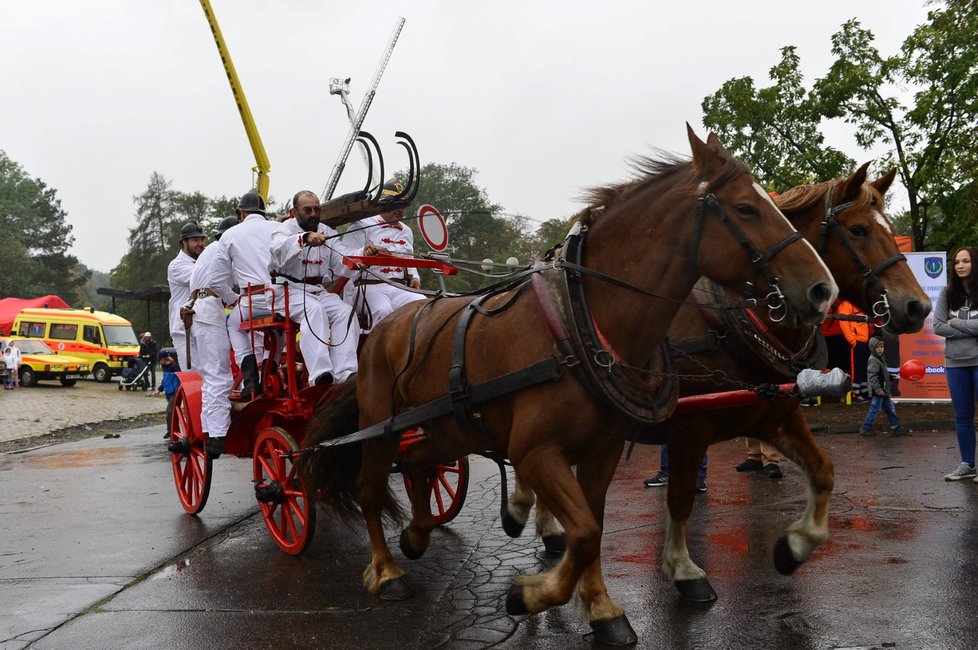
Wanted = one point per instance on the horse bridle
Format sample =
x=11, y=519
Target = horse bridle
x=871, y=277
x=775, y=299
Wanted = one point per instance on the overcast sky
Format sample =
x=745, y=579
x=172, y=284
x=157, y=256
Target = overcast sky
x=542, y=98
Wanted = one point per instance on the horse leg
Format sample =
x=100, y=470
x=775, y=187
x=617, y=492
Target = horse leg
x=686, y=451
x=382, y=576
x=548, y=473
x=607, y=618
x=518, y=507
x=417, y=536
x=794, y=439
x=549, y=530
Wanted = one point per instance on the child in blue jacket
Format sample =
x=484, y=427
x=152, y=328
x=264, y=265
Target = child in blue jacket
x=169, y=384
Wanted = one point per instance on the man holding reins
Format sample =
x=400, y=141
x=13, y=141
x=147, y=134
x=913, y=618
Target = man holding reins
x=304, y=253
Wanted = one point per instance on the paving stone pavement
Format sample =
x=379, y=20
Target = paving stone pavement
x=49, y=406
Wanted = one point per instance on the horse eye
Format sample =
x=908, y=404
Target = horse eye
x=859, y=231
x=746, y=210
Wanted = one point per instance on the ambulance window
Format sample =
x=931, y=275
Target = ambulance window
x=31, y=329
x=63, y=332
x=90, y=334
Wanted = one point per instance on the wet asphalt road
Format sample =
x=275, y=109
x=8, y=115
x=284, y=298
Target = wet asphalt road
x=96, y=552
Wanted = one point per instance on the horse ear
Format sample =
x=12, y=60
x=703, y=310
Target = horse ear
x=704, y=153
x=882, y=184
x=853, y=185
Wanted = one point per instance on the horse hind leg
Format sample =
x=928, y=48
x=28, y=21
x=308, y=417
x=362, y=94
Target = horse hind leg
x=416, y=537
x=382, y=576
x=796, y=546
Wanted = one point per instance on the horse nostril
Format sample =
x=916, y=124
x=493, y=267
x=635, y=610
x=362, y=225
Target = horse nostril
x=916, y=309
x=820, y=295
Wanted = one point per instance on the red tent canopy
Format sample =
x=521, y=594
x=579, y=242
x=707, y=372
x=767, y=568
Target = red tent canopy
x=10, y=307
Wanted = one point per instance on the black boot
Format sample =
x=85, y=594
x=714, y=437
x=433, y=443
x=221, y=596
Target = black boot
x=250, y=386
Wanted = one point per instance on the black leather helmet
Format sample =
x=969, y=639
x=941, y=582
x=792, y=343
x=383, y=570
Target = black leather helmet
x=392, y=187
x=226, y=223
x=191, y=230
x=252, y=202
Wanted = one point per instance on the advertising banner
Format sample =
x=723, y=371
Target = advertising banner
x=925, y=346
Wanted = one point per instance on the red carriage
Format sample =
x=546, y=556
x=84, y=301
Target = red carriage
x=271, y=430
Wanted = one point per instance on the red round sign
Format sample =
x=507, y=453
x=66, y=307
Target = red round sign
x=433, y=228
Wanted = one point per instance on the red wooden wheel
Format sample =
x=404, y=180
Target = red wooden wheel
x=446, y=489
x=287, y=507
x=192, y=467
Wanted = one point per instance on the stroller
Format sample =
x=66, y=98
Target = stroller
x=135, y=375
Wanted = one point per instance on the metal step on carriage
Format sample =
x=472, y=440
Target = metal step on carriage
x=270, y=429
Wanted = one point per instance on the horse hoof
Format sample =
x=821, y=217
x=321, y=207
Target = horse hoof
x=409, y=551
x=555, y=544
x=395, y=589
x=784, y=561
x=515, y=605
x=697, y=590
x=512, y=527
x=614, y=631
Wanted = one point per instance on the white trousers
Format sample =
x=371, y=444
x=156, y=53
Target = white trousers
x=180, y=344
x=323, y=318
x=382, y=299
x=211, y=355
x=242, y=341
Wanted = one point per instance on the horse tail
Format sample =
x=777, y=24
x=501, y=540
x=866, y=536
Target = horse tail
x=333, y=472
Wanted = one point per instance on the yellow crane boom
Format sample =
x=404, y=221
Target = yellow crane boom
x=262, y=166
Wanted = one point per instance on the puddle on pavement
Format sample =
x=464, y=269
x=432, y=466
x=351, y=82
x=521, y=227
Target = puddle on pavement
x=78, y=458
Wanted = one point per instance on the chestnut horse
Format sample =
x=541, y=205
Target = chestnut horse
x=844, y=220
x=635, y=263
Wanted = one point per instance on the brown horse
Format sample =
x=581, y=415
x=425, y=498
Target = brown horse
x=635, y=263
x=844, y=220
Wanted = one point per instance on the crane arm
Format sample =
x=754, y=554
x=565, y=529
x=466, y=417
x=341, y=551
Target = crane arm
x=262, y=165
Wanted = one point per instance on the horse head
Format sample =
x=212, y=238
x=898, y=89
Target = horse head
x=845, y=220
x=738, y=222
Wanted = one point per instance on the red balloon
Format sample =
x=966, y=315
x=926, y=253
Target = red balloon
x=912, y=370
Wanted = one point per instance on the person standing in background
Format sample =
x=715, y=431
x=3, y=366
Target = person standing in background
x=956, y=319
x=148, y=352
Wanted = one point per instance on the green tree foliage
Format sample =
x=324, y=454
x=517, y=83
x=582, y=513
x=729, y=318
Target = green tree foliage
x=34, y=239
x=933, y=140
x=776, y=129
x=154, y=241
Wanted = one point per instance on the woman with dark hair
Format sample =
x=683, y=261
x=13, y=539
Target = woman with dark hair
x=956, y=319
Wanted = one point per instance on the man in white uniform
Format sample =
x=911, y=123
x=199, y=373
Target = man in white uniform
x=178, y=277
x=384, y=234
x=304, y=252
x=246, y=246
x=210, y=348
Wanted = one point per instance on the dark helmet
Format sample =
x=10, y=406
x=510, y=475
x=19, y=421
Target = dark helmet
x=225, y=224
x=392, y=187
x=190, y=230
x=252, y=202
x=167, y=354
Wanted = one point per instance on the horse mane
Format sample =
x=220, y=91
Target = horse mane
x=803, y=197
x=648, y=171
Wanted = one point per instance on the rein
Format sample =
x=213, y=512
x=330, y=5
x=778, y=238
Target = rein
x=871, y=277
